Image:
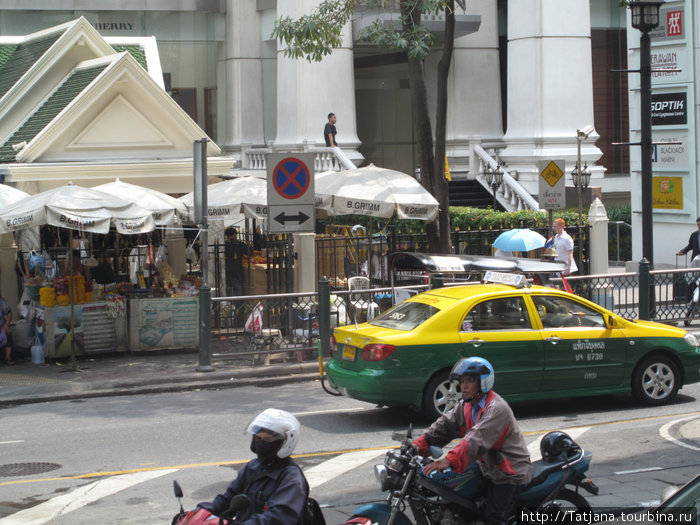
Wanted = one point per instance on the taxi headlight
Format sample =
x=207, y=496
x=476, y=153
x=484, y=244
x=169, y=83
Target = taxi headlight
x=692, y=340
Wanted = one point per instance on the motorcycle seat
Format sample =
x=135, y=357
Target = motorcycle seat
x=542, y=468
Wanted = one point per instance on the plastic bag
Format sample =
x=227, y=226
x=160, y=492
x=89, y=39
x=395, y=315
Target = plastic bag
x=161, y=254
x=254, y=322
x=36, y=262
x=38, y=357
x=190, y=254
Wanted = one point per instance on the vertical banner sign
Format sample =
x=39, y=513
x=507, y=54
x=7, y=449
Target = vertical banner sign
x=552, y=184
x=200, y=186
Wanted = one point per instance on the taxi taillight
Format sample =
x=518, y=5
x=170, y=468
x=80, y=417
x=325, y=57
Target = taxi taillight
x=377, y=352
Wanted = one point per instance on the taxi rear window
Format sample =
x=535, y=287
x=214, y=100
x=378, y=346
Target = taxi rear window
x=405, y=316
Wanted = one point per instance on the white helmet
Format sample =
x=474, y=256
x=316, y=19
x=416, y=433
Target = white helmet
x=278, y=422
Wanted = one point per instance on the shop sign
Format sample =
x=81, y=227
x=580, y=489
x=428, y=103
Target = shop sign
x=671, y=24
x=669, y=109
x=673, y=155
x=669, y=57
x=667, y=193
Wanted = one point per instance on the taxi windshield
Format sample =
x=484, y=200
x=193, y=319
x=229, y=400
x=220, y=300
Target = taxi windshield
x=405, y=316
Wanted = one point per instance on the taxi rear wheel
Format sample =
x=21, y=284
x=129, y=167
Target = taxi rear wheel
x=440, y=395
x=655, y=380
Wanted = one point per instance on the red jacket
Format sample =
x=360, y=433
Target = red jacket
x=494, y=440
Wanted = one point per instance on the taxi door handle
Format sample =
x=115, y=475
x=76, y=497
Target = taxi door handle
x=554, y=339
x=476, y=342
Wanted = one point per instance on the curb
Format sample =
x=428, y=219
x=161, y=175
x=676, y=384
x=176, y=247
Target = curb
x=268, y=376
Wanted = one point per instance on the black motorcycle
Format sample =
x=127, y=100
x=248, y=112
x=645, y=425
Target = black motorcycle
x=554, y=489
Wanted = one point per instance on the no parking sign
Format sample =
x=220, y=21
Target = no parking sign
x=290, y=192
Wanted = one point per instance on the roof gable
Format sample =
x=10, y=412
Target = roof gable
x=24, y=56
x=64, y=95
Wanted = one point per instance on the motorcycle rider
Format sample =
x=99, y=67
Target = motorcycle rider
x=492, y=456
x=274, y=483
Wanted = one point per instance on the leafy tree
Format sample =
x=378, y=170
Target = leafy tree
x=314, y=36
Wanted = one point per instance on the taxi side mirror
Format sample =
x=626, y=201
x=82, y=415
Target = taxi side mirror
x=610, y=321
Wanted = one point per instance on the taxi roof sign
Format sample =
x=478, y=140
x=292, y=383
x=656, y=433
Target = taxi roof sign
x=514, y=279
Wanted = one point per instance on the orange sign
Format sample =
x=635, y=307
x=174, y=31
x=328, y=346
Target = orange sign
x=667, y=193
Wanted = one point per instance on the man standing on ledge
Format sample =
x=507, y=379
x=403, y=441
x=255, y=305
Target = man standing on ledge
x=329, y=131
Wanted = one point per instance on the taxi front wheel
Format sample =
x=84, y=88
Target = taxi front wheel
x=440, y=395
x=655, y=380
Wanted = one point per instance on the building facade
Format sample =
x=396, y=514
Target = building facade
x=526, y=75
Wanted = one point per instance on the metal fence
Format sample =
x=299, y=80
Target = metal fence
x=619, y=292
x=265, y=328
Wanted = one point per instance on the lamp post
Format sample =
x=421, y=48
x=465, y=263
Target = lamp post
x=576, y=177
x=645, y=17
x=494, y=178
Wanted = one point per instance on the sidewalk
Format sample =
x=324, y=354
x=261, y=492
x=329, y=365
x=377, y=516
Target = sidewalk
x=142, y=373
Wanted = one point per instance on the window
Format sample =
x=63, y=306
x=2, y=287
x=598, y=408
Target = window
x=507, y=313
x=405, y=316
x=558, y=312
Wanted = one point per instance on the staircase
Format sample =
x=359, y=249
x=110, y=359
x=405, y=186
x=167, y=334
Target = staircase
x=466, y=192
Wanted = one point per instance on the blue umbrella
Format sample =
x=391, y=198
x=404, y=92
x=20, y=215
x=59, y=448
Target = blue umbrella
x=519, y=240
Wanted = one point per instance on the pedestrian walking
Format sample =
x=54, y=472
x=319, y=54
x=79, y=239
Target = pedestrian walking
x=693, y=243
x=329, y=132
x=564, y=246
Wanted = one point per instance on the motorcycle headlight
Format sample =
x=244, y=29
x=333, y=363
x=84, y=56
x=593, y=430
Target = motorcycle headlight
x=692, y=340
x=380, y=473
x=394, y=462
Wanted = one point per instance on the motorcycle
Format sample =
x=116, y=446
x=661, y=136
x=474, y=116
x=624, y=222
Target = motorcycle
x=431, y=503
x=694, y=301
x=202, y=516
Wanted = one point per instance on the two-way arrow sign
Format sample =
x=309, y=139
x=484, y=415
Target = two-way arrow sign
x=300, y=218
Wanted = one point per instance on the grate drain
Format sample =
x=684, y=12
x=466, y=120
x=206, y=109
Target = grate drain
x=26, y=469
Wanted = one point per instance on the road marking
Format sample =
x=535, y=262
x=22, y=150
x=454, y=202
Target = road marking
x=10, y=442
x=331, y=411
x=53, y=508
x=534, y=447
x=666, y=434
x=637, y=470
x=335, y=467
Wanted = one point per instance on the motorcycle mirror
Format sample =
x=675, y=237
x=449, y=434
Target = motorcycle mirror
x=177, y=489
x=409, y=434
x=435, y=452
x=398, y=436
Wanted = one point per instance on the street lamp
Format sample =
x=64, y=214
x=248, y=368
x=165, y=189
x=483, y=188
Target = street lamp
x=494, y=178
x=645, y=17
x=581, y=135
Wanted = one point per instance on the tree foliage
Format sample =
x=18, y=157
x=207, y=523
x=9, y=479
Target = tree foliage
x=314, y=35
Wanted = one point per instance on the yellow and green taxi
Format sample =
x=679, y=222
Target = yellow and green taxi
x=542, y=342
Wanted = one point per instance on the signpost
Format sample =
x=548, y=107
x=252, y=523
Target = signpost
x=290, y=192
x=552, y=186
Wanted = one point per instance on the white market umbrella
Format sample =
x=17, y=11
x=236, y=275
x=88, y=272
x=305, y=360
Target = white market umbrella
x=76, y=208
x=375, y=192
x=165, y=209
x=227, y=200
x=10, y=195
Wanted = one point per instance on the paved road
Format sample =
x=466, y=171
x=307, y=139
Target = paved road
x=117, y=457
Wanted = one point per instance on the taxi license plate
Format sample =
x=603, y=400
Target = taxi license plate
x=349, y=353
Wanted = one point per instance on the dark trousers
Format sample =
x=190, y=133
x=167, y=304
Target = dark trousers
x=500, y=503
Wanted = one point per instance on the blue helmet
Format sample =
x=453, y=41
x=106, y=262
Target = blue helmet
x=475, y=365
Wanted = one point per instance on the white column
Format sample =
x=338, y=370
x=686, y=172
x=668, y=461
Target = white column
x=473, y=92
x=550, y=88
x=308, y=91
x=598, y=219
x=244, y=93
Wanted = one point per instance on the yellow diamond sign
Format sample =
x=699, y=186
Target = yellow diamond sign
x=552, y=173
